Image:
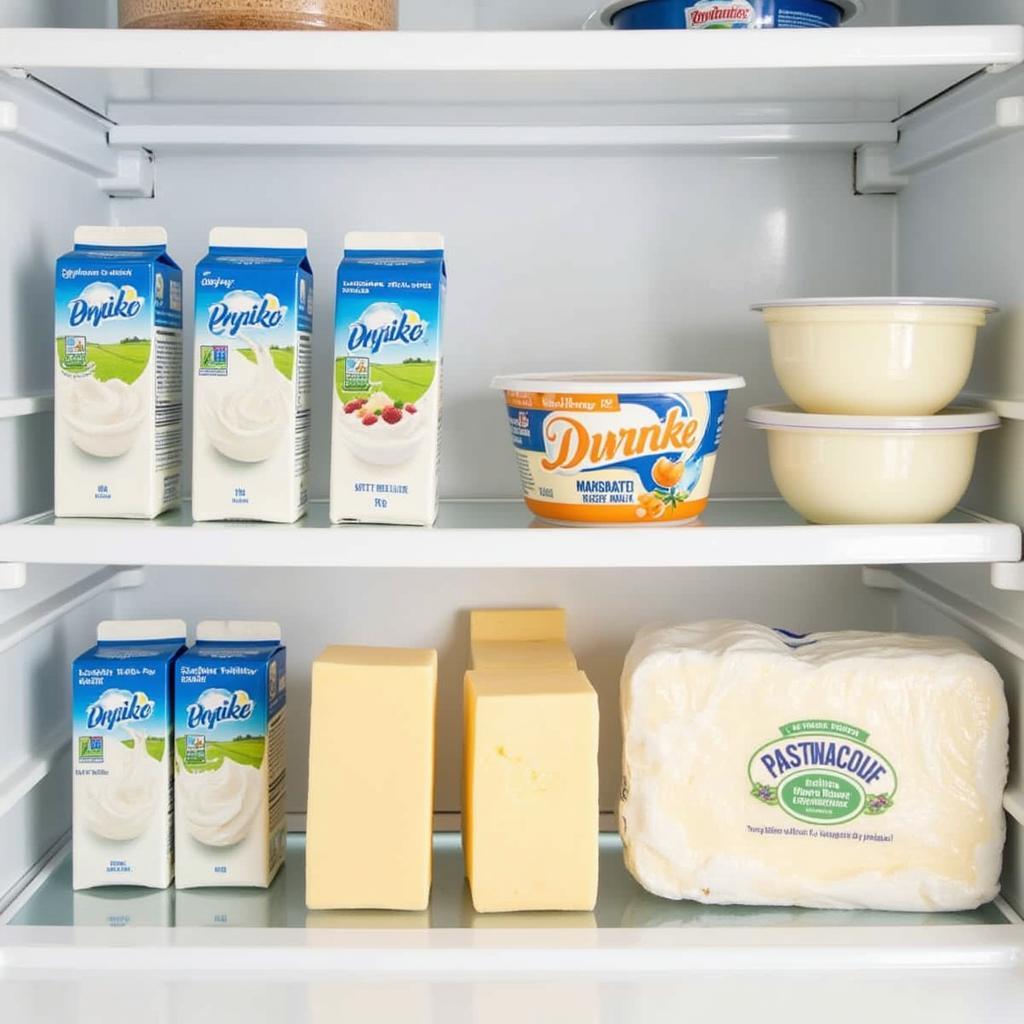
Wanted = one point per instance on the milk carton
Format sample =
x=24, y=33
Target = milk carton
x=387, y=386
x=122, y=786
x=117, y=386
x=229, y=771
x=254, y=302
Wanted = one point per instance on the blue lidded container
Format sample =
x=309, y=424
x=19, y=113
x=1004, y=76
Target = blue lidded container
x=727, y=14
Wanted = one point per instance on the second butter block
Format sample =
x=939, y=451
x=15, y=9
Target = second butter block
x=531, y=790
x=371, y=779
x=520, y=638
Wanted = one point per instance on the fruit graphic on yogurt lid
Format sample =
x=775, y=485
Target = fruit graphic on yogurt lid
x=667, y=473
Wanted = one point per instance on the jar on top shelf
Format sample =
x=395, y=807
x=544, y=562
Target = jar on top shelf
x=352, y=15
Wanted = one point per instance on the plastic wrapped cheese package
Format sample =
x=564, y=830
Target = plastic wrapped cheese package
x=838, y=770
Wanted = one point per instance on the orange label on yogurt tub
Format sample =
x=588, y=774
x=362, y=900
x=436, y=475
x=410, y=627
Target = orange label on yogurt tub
x=569, y=403
x=595, y=458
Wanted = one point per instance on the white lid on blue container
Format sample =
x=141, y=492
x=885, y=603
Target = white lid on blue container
x=603, y=18
x=956, y=419
x=127, y=238
x=114, y=630
x=628, y=383
x=238, y=630
x=259, y=238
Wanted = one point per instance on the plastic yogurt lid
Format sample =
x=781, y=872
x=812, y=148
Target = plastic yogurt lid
x=878, y=300
x=602, y=18
x=956, y=419
x=619, y=383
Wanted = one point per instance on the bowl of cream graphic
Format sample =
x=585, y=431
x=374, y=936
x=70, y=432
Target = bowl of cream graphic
x=102, y=416
x=120, y=804
x=381, y=431
x=219, y=806
x=247, y=414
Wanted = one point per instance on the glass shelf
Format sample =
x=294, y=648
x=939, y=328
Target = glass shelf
x=622, y=905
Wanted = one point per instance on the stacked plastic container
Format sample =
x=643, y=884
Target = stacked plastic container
x=872, y=437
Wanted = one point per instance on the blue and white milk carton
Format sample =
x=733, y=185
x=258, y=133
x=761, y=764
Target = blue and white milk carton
x=122, y=787
x=254, y=318
x=387, y=379
x=117, y=386
x=229, y=792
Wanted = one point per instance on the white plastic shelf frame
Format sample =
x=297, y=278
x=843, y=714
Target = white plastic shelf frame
x=196, y=90
x=503, y=534
x=50, y=927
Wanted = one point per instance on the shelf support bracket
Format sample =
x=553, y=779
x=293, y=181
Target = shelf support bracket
x=1008, y=576
x=874, y=174
x=13, y=575
x=41, y=119
x=880, y=579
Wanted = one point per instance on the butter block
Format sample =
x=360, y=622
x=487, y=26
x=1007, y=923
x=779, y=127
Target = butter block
x=520, y=638
x=531, y=809
x=517, y=624
x=524, y=654
x=371, y=779
x=837, y=770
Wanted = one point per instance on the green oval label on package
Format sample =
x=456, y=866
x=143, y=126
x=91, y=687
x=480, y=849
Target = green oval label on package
x=821, y=796
x=822, y=772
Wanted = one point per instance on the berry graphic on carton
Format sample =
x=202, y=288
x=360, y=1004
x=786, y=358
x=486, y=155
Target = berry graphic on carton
x=387, y=381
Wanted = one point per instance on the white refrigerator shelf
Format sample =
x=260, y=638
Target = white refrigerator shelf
x=198, y=78
x=50, y=927
x=503, y=534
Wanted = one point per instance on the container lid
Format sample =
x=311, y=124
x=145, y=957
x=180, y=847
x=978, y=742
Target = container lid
x=956, y=419
x=393, y=241
x=127, y=238
x=602, y=18
x=620, y=383
x=259, y=238
x=238, y=630
x=114, y=630
x=878, y=300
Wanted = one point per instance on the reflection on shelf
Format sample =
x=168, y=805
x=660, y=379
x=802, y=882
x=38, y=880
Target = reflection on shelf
x=123, y=908
x=232, y=908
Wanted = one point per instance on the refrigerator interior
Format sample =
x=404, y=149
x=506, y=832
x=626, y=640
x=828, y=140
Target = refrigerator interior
x=584, y=230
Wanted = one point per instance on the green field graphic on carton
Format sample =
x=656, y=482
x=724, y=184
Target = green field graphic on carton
x=154, y=746
x=246, y=751
x=126, y=360
x=403, y=382
x=282, y=358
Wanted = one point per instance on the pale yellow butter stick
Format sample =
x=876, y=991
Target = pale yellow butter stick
x=371, y=779
x=531, y=810
x=524, y=638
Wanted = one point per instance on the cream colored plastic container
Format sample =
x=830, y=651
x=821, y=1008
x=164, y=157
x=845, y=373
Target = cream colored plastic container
x=874, y=356
x=872, y=469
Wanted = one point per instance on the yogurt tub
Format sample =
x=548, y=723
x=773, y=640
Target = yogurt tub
x=597, y=449
x=874, y=356
x=724, y=14
x=872, y=469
